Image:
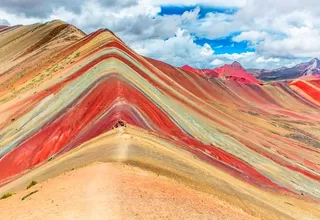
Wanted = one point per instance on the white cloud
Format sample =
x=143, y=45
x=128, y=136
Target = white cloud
x=214, y=25
x=253, y=60
x=253, y=36
x=236, y=56
x=299, y=42
x=138, y=19
x=292, y=64
x=177, y=50
x=286, y=30
x=15, y=19
x=206, y=50
x=219, y=3
x=267, y=60
x=217, y=62
x=4, y=22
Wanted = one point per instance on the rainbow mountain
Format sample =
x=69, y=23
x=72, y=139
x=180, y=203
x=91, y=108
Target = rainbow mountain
x=68, y=100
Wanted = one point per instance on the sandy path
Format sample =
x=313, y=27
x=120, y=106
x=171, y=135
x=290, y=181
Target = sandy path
x=115, y=191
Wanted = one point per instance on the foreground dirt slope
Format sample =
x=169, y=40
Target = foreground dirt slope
x=116, y=191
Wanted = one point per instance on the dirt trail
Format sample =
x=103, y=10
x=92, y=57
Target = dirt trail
x=115, y=191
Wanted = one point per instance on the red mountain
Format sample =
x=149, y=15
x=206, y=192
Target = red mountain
x=236, y=72
x=203, y=72
x=193, y=70
x=232, y=71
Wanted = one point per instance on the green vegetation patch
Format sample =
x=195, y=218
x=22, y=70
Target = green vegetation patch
x=6, y=195
x=26, y=196
x=32, y=184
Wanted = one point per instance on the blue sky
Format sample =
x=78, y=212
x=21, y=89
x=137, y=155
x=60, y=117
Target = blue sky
x=225, y=45
x=220, y=45
x=179, y=10
x=201, y=33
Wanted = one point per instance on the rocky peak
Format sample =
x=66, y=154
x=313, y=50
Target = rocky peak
x=236, y=64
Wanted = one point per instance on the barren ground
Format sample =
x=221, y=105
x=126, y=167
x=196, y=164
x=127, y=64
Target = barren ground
x=115, y=191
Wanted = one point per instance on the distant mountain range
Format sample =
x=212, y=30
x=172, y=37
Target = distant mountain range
x=232, y=71
x=235, y=72
x=307, y=69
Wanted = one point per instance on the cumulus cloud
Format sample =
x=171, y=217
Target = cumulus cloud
x=206, y=50
x=298, y=42
x=293, y=34
x=4, y=22
x=131, y=22
x=38, y=8
x=245, y=58
x=42, y=8
x=280, y=32
x=137, y=23
x=268, y=60
x=236, y=56
x=177, y=50
x=253, y=60
x=290, y=38
x=120, y=17
x=214, y=25
x=252, y=36
x=15, y=19
x=217, y=3
x=217, y=62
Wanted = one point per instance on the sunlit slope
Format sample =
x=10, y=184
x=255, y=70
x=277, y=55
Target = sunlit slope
x=148, y=150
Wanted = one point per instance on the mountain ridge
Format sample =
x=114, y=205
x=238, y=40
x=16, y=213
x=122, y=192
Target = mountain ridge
x=310, y=68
